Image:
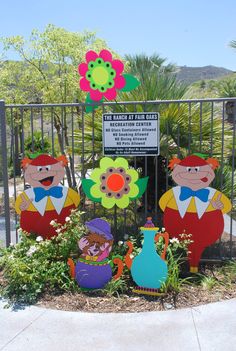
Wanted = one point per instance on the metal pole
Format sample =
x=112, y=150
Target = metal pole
x=232, y=181
x=4, y=171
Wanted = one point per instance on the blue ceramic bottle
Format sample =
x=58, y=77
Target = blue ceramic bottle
x=148, y=269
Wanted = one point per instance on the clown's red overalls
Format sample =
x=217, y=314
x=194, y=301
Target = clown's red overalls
x=36, y=219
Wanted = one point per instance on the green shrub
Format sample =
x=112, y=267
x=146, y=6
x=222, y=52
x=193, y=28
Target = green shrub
x=176, y=257
x=35, y=265
x=37, y=144
x=228, y=272
x=116, y=287
x=208, y=283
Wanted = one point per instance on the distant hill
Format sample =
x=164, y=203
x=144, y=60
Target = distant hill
x=190, y=75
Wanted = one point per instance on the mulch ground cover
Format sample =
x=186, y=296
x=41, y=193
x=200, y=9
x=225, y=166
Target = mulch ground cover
x=190, y=295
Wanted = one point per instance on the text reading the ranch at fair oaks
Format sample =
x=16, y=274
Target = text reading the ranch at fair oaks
x=131, y=134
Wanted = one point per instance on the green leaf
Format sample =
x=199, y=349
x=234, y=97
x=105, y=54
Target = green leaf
x=131, y=82
x=88, y=100
x=142, y=184
x=86, y=186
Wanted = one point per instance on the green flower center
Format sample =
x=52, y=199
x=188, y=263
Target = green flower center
x=100, y=76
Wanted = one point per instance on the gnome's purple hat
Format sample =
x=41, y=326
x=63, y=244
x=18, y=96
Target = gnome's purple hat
x=100, y=226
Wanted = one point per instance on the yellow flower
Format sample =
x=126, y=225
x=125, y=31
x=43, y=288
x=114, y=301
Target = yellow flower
x=114, y=183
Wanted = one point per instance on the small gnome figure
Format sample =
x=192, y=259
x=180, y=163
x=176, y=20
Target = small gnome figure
x=46, y=200
x=192, y=207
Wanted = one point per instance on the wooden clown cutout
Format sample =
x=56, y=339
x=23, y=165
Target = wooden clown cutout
x=93, y=269
x=193, y=207
x=46, y=199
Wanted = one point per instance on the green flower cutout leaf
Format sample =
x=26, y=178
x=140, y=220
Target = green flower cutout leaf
x=86, y=185
x=131, y=82
x=142, y=185
x=91, y=108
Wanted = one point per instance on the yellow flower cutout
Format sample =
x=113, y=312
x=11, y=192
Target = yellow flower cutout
x=114, y=183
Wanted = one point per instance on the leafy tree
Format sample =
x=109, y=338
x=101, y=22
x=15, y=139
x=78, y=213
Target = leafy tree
x=47, y=72
x=52, y=58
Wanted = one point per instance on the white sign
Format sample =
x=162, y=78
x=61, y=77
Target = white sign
x=131, y=134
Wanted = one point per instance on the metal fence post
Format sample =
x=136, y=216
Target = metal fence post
x=4, y=167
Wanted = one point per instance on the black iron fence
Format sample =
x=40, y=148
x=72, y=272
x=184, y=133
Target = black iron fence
x=186, y=126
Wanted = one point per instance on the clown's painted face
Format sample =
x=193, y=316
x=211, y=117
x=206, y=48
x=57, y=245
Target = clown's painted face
x=94, y=244
x=194, y=177
x=44, y=176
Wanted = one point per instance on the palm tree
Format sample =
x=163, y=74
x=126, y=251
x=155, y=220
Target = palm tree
x=158, y=81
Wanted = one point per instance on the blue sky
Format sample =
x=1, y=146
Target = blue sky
x=192, y=33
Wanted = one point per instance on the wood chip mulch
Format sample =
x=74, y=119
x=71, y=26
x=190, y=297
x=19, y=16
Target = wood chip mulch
x=97, y=301
x=93, y=302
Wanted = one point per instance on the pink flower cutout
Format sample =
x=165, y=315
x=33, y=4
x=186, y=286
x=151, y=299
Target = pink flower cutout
x=101, y=75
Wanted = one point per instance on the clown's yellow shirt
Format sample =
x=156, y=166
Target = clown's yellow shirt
x=72, y=198
x=168, y=200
